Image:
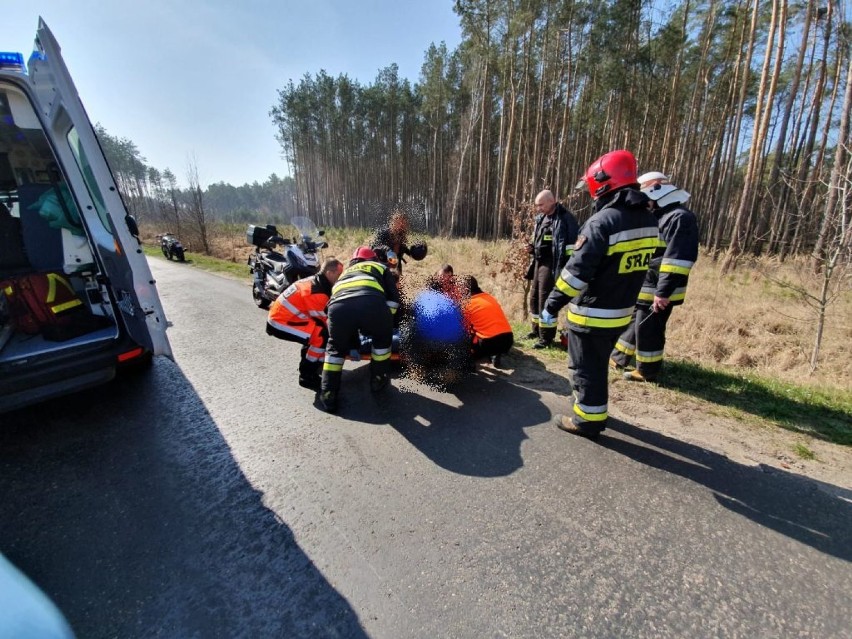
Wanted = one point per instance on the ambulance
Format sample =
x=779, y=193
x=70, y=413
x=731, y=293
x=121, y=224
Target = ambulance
x=77, y=299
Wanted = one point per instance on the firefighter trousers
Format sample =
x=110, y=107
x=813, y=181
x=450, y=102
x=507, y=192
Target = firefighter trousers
x=644, y=338
x=542, y=284
x=588, y=370
x=313, y=347
x=347, y=318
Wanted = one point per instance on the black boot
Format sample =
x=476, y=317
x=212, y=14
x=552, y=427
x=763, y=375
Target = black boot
x=309, y=374
x=328, y=401
x=312, y=382
x=379, y=382
x=329, y=390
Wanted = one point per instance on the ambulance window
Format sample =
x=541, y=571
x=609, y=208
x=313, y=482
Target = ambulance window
x=88, y=176
x=32, y=186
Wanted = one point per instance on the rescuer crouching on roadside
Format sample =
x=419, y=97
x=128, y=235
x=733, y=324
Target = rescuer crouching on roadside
x=492, y=334
x=363, y=301
x=298, y=315
x=600, y=284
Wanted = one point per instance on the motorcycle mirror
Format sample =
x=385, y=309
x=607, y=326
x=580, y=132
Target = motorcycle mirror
x=321, y=232
x=132, y=226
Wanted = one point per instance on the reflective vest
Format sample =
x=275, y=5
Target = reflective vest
x=367, y=278
x=485, y=316
x=298, y=309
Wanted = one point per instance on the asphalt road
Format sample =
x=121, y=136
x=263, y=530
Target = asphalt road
x=210, y=497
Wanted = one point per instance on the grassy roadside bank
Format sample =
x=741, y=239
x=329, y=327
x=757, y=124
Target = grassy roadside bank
x=819, y=411
x=823, y=413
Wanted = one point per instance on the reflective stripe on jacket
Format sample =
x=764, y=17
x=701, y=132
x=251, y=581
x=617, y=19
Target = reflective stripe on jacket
x=668, y=273
x=603, y=277
x=301, y=306
x=367, y=278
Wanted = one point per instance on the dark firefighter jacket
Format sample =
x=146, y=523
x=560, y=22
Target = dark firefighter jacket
x=669, y=269
x=558, y=244
x=367, y=278
x=601, y=281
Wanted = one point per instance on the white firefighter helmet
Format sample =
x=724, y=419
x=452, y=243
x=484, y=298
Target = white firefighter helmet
x=665, y=194
x=652, y=175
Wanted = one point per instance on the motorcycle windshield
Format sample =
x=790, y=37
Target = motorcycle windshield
x=305, y=227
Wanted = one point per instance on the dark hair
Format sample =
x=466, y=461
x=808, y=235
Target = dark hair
x=446, y=269
x=331, y=264
x=473, y=285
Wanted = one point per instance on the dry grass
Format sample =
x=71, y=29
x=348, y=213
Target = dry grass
x=744, y=320
x=741, y=321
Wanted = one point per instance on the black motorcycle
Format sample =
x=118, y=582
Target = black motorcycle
x=274, y=269
x=171, y=247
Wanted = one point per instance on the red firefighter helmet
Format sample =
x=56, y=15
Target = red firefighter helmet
x=364, y=253
x=611, y=171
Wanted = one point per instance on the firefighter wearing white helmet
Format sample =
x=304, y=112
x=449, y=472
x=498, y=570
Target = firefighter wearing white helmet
x=665, y=282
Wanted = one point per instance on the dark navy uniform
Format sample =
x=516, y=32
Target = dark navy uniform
x=554, y=236
x=667, y=278
x=600, y=284
x=363, y=301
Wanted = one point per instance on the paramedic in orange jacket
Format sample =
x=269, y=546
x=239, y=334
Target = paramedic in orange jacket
x=492, y=334
x=298, y=315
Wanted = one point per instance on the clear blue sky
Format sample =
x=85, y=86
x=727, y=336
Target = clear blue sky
x=188, y=76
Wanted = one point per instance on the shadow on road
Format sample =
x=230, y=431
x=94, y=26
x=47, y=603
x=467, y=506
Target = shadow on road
x=127, y=507
x=476, y=428
x=786, y=503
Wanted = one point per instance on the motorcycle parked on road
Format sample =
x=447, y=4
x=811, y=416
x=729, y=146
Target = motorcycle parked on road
x=172, y=247
x=274, y=269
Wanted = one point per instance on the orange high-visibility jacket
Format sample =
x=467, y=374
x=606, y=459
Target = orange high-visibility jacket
x=300, y=306
x=485, y=316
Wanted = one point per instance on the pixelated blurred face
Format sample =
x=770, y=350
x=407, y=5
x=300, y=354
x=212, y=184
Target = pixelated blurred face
x=398, y=224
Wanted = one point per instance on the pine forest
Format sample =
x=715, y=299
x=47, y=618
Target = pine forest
x=743, y=103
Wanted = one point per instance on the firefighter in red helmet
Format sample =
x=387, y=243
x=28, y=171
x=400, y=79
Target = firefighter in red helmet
x=600, y=284
x=363, y=301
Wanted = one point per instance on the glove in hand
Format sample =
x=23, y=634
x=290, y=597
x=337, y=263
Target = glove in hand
x=546, y=318
x=355, y=355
